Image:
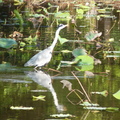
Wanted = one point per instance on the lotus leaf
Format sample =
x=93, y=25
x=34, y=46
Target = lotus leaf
x=79, y=51
x=7, y=43
x=61, y=115
x=117, y=95
x=102, y=108
x=84, y=60
x=21, y=108
x=90, y=36
x=87, y=104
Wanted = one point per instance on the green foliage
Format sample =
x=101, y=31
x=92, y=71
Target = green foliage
x=19, y=16
x=62, y=40
x=79, y=51
x=84, y=67
x=5, y=66
x=79, y=14
x=61, y=115
x=84, y=7
x=84, y=60
x=102, y=108
x=117, y=95
x=90, y=36
x=7, y=43
x=86, y=103
x=21, y=108
x=37, y=15
x=40, y=97
x=62, y=15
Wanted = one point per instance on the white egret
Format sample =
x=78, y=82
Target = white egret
x=44, y=56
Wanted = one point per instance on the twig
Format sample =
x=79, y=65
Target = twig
x=82, y=87
x=74, y=90
x=54, y=70
x=111, y=28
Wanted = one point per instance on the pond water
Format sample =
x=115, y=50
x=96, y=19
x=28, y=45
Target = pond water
x=20, y=86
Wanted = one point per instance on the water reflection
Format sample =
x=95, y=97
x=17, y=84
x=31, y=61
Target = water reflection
x=45, y=80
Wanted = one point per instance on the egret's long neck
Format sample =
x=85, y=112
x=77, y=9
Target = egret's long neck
x=56, y=38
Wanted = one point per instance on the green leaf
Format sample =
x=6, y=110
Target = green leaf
x=7, y=43
x=84, y=7
x=90, y=36
x=66, y=51
x=41, y=97
x=22, y=44
x=104, y=93
x=62, y=15
x=84, y=60
x=37, y=15
x=89, y=104
x=62, y=40
x=101, y=10
x=20, y=18
x=117, y=95
x=79, y=14
x=21, y=108
x=102, y=108
x=118, y=10
x=61, y=115
x=79, y=51
x=112, y=109
x=84, y=67
x=79, y=11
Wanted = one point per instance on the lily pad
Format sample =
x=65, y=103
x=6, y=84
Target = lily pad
x=104, y=93
x=21, y=108
x=84, y=67
x=102, y=108
x=90, y=36
x=84, y=60
x=62, y=115
x=87, y=104
x=7, y=43
x=117, y=95
x=79, y=51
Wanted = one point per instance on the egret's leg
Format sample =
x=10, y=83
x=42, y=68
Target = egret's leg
x=40, y=68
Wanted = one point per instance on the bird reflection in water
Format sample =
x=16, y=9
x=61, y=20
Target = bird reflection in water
x=45, y=80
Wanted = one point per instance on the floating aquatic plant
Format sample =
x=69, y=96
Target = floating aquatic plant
x=90, y=36
x=21, y=108
x=104, y=93
x=110, y=109
x=117, y=95
x=62, y=115
x=7, y=43
x=88, y=104
x=41, y=97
